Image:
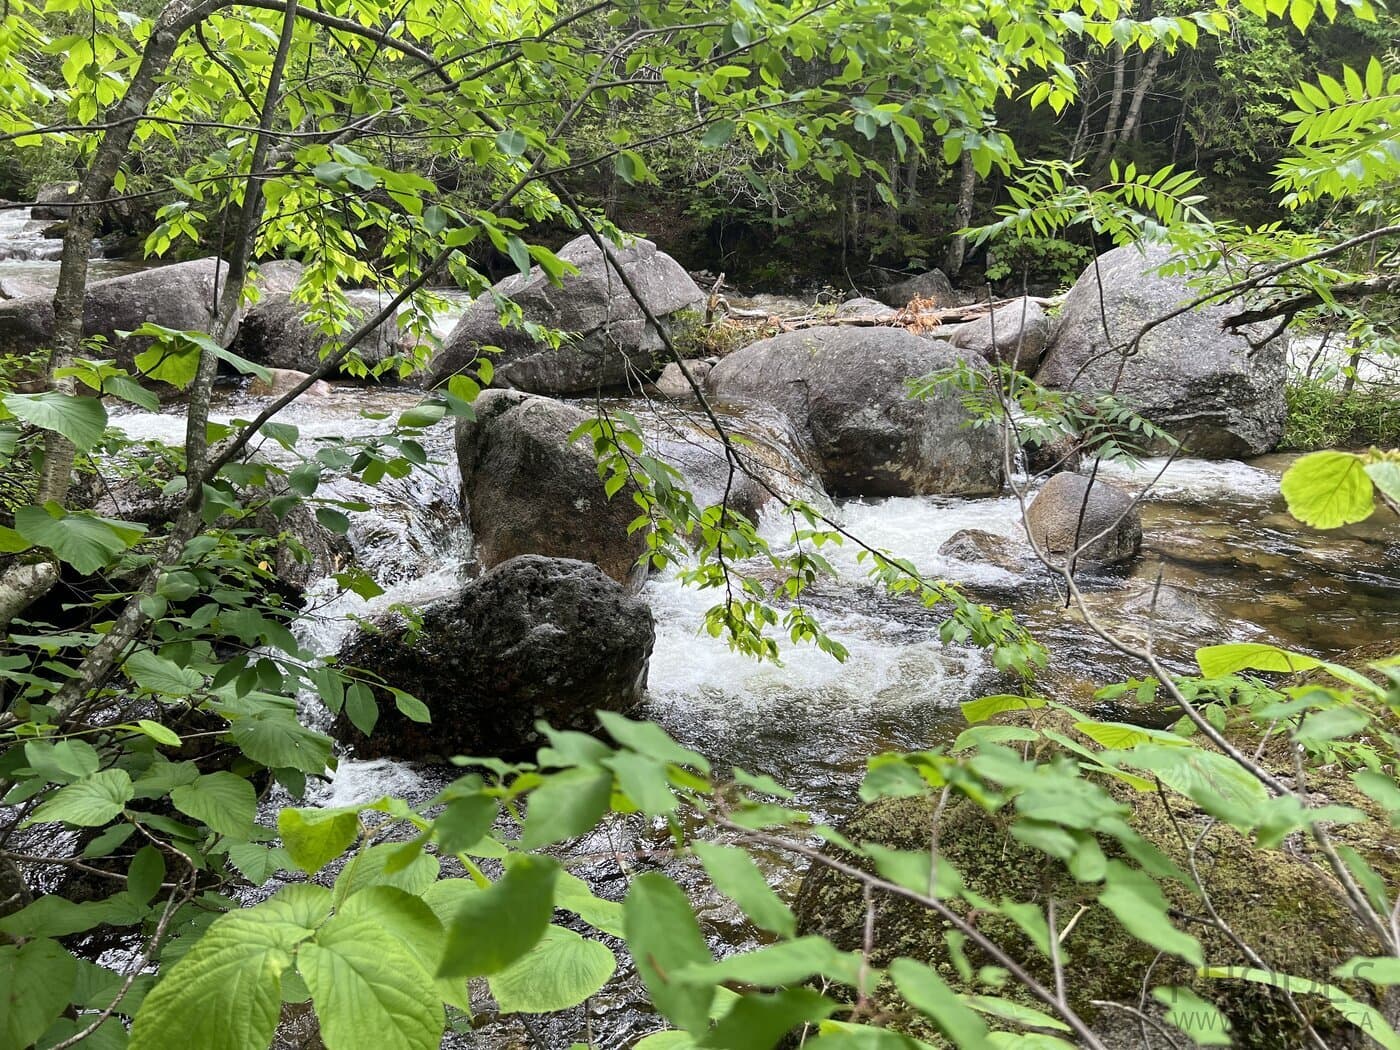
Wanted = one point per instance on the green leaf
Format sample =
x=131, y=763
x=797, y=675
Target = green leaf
x=1363, y=1016
x=1137, y=902
x=82, y=420
x=649, y=739
x=1328, y=489
x=226, y=993
x=718, y=133
x=87, y=803
x=360, y=707
x=558, y=973
x=988, y=706
x=1216, y=661
x=369, y=990
x=663, y=936
x=464, y=822
x=494, y=928
x=145, y=874
x=784, y=962
x=224, y=801
x=277, y=740
x=572, y=894
x=156, y=674
x=760, y=1021
x=35, y=983
x=566, y=805
x=85, y=541
x=172, y=360
x=1198, y=1018
x=315, y=837
x=735, y=874
x=159, y=733
x=334, y=520
x=512, y=142
x=1385, y=475
x=928, y=993
x=376, y=866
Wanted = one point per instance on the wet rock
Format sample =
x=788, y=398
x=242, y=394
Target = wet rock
x=1272, y=899
x=1052, y=456
x=179, y=296
x=672, y=382
x=12, y=287
x=1061, y=519
x=979, y=547
x=282, y=380
x=277, y=331
x=1207, y=387
x=534, y=638
x=52, y=200
x=932, y=287
x=1015, y=332
x=611, y=337
x=844, y=389
x=863, y=307
x=530, y=490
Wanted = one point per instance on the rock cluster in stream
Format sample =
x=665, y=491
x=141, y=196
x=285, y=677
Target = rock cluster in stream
x=534, y=638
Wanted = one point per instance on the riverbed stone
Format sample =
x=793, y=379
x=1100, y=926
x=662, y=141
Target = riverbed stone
x=932, y=287
x=1017, y=331
x=1207, y=387
x=1070, y=510
x=863, y=307
x=1271, y=898
x=672, y=382
x=611, y=341
x=528, y=489
x=534, y=638
x=53, y=200
x=179, y=296
x=277, y=332
x=980, y=547
x=844, y=389
x=280, y=381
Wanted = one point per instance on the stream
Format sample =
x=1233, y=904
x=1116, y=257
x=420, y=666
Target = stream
x=1233, y=566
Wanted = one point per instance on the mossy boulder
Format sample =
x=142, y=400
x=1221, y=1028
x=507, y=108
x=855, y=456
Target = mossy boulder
x=1278, y=901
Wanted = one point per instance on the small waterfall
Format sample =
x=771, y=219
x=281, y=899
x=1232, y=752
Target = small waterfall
x=22, y=237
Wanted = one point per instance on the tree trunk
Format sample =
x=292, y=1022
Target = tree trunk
x=1115, y=106
x=1132, y=123
x=962, y=215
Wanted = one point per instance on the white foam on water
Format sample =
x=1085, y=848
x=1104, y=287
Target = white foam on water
x=359, y=782
x=1195, y=479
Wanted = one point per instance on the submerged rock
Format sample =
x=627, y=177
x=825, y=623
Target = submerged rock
x=1209, y=388
x=979, y=547
x=534, y=638
x=528, y=489
x=1069, y=512
x=611, y=339
x=179, y=296
x=845, y=391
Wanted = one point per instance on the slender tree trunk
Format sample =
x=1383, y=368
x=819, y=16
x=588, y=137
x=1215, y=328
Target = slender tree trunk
x=962, y=215
x=1132, y=123
x=1115, y=106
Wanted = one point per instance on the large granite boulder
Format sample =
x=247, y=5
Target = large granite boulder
x=534, y=638
x=931, y=287
x=1015, y=332
x=276, y=331
x=1209, y=388
x=179, y=296
x=611, y=338
x=845, y=391
x=1070, y=511
x=53, y=200
x=529, y=490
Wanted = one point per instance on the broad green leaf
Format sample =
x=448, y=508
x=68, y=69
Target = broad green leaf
x=558, y=973
x=988, y=706
x=760, y=1021
x=495, y=927
x=36, y=980
x=80, y=419
x=369, y=990
x=1328, y=489
x=643, y=780
x=1385, y=475
x=784, y=962
x=87, y=803
x=375, y=867
x=735, y=874
x=1363, y=1016
x=277, y=740
x=224, y=801
x=1216, y=661
x=663, y=936
x=1199, y=1018
x=156, y=674
x=226, y=993
x=315, y=837
x=1137, y=903
x=1382, y=971
x=928, y=993
x=1214, y=781
x=464, y=822
x=572, y=894
x=566, y=805
x=1121, y=736
x=85, y=541
x=649, y=739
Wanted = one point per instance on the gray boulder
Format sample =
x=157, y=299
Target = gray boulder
x=51, y=200
x=179, y=296
x=611, y=337
x=672, y=382
x=276, y=332
x=534, y=638
x=844, y=390
x=529, y=490
x=1069, y=512
x=1016, y=332
x=980, y=547
x=1207, y=387
x=863, y=307
x=932, y=286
